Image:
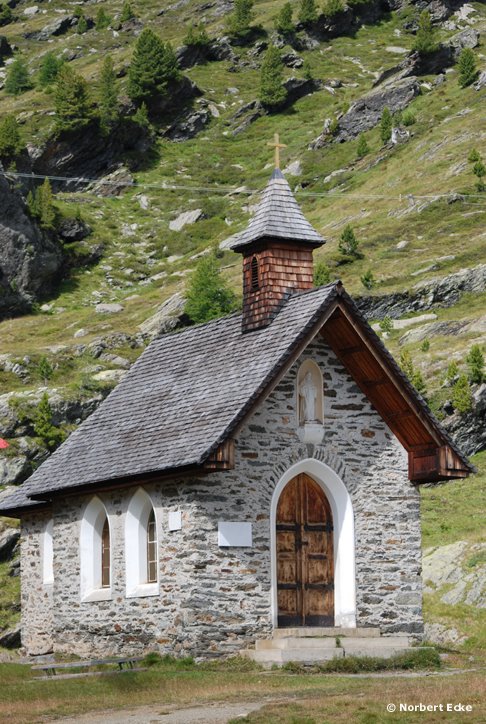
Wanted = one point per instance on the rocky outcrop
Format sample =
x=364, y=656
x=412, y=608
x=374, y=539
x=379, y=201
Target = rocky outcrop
x=425, y=295
x=191, y=55
x=5, y=49
x=89, y=153
x=10, y=639
x=59, y=26
x=366, y=112
x=30, y=259
x=189, y=126
x=9, y=539
x=469, y=429
x=169, y=316
x=73, y=230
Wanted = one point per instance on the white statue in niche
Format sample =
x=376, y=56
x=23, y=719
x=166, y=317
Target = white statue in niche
x=308, y=399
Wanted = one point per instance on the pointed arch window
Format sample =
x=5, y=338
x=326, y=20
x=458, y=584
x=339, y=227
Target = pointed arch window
x=151, y=549
x=141, y=547
x=105, y=555
x=95, y=547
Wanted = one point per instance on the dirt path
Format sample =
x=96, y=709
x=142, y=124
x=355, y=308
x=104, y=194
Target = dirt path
x=209, y=714
x=221, y=712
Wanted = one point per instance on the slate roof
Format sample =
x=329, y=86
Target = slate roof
x=179, y=400
x=187, y=393
x=278, y=216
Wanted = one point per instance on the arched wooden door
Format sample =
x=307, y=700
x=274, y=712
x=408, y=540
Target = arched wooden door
x=305, y=556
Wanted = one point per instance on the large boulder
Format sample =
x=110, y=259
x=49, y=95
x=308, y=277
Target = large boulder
x=10, y=639
x=190, y=126
x=31, y=260
x=469, y=429
x=59, y=26
x=9, y=539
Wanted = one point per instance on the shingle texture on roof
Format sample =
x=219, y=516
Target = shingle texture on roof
x=278, y=216
x=178, y=401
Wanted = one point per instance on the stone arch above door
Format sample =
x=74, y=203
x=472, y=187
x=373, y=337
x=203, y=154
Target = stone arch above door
x=344, y=543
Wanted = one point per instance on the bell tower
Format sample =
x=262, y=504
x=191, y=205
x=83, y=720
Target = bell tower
x=277, y=251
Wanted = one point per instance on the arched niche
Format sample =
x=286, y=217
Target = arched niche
x=141, y=546
x=310, y=402
x=91, y=545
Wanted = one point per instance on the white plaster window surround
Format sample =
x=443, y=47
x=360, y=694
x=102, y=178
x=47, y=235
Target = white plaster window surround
x=309, y=394
x=136, y=549
x=90, y=549
x=344, y=543
x=48, y=554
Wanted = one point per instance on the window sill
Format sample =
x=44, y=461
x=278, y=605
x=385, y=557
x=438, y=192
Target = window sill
x=143, y=589
x=100, y=594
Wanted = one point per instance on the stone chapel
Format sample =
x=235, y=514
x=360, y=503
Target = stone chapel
x=250, y=479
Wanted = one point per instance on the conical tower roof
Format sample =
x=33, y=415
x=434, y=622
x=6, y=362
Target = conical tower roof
x=278, y=216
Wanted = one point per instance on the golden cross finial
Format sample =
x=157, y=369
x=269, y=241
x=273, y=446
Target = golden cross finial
x=277, y=146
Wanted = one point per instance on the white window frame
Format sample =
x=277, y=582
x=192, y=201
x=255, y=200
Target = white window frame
x=48, y=553
x=90, y=544
x=136, y=520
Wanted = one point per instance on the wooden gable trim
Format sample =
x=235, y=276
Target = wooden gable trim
x=223, y=458
x=430, y=458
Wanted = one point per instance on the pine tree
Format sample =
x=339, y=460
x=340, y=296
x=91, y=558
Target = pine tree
x=386, y=125
x=197, y=37
x=71, y=100
x=284, y=23
x=332, y=8
x=10, y=138
x=307, y=12
x=368, y=280
x=475, y=362
x=49, y=68
x=103, y=20
x=272, y=90
x=6, y=15
x=479, y=170
x=108, y=103
x=127, y=12
x=45, y=369
x=414, y=375
x=386, y=325
x=461, y=395
x=322, y=274
x=153, y=66
x=208, y=296
x=425, y=40
x=363, y=147
x=473, y=156
x=49, y=434
x=47, y=211
x=82, y=25
x=241, y=18
x=18, y=79
x=467, y=67
x=452, y=372
x=348, y=243
x=141, y=117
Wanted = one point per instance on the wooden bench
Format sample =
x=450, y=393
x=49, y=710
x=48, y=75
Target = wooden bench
x=124, y=664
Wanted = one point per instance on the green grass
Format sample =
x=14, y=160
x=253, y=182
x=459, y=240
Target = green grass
x=456, y=510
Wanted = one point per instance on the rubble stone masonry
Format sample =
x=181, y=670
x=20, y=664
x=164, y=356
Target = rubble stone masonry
x=214, y=601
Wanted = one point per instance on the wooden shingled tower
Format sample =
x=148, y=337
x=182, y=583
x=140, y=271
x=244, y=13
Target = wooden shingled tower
x=277, y=254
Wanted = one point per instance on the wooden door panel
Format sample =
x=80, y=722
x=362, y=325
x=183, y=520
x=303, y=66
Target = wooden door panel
x=305, y=557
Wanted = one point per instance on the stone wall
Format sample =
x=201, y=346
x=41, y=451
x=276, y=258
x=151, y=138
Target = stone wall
x=36, y=597
x=217, y=600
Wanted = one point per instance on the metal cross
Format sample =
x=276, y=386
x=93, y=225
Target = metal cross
x=277, y=146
